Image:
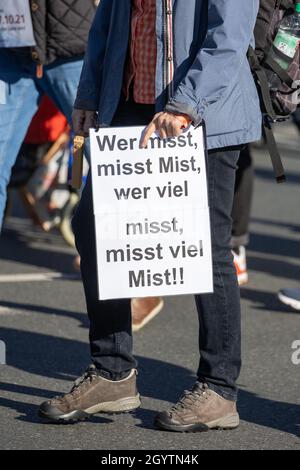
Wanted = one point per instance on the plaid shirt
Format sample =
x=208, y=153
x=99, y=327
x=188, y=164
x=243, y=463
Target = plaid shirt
x=141, y=63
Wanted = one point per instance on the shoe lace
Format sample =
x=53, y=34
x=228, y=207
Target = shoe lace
x=86, y=377
x=199, y=393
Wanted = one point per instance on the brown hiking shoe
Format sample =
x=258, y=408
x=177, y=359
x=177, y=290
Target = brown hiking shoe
x=199, y=409
x=92, y=394
x=143, y=310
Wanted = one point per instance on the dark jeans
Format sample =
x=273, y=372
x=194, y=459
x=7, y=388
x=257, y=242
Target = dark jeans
x=219, y=313
x=242, y=199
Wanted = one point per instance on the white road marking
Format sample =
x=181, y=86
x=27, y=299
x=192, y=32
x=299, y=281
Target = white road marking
x=35, y=277
x=4, y=310
x=12, y=311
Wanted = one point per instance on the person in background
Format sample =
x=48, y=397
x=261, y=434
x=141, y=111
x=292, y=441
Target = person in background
x=47, y=125
x=171, y=64
x=143, y=310
x=241, y=212
x=48, y=134
x=51, y=66
x=290, y=296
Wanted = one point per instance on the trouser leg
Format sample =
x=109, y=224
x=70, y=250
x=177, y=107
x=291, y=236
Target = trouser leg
x=60, y=82
x=110, y=320
x=242, y=199
x=219, y=313
x=20, y=104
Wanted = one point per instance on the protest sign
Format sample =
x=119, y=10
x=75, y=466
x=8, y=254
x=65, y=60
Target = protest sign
x=151, y=214
x=15, y=24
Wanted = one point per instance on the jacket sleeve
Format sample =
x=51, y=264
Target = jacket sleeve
x=91, y=76
x=217, y=64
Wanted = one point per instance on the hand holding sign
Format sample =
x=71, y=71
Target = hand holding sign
x=166, y=125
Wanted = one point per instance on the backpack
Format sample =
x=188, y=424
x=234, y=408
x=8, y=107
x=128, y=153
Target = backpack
x=280, y=101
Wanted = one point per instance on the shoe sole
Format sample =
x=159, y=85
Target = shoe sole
x=225, y=423
x=295, y=304
x=124, y=405
x=149, y=317
x=243, y=279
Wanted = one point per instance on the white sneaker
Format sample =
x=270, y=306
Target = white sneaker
x=290, y=297
x=240, y=263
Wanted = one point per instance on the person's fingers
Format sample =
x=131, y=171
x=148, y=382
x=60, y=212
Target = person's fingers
x=173, y=128
x=185, y=125
x=150, y=129
x=184, y=120
x=177, y=129
x=92, y=118
x=86, y=128
x=89, y=122
x=170, y=124
x=163, y=132
x=165, y=124
x=161, y=126
x=78, y=117
x=169, y=129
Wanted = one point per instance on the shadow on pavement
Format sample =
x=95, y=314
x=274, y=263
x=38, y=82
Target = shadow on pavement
x=29, y=412
x=81, y=317
x=65, y=359
x=267, y=301
x=61, y=358
x=276, y=223
x=278, y=268
x=269, y=413
x=274, y=245
x=261, y=300
x=14, y=248
x=268, y=174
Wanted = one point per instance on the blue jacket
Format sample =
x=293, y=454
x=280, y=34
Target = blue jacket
x=212, y=80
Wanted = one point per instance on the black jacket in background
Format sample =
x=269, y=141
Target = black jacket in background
x=60, y=28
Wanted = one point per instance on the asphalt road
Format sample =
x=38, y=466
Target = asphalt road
x=44, y=326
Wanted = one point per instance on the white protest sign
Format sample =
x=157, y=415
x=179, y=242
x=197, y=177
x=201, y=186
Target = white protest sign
x=15, y=24
x=151, y=214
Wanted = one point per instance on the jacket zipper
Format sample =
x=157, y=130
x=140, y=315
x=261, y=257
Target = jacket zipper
x=168, y=47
